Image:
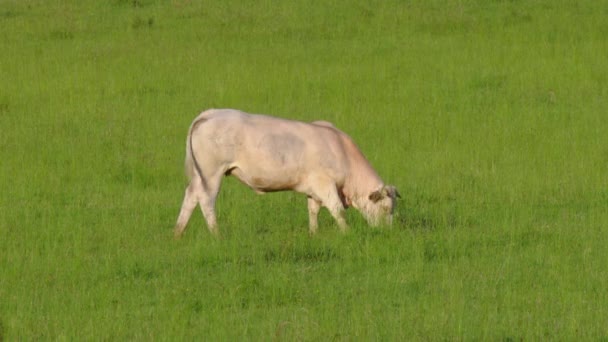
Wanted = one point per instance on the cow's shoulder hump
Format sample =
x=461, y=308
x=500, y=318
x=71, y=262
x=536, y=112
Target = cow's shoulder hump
x=323, y=123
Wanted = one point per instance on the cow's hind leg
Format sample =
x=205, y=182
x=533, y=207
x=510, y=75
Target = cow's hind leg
x=191, y=198
x=207, y=201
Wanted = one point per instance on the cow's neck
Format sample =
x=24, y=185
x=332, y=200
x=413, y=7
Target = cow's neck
x=361, y=181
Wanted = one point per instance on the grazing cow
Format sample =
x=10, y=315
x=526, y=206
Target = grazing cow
x=272, y=154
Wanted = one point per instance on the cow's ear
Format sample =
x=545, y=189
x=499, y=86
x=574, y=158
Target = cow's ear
x=376, y=195
x=392, y=191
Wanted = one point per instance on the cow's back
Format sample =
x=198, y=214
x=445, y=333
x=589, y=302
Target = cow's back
x=267, y=149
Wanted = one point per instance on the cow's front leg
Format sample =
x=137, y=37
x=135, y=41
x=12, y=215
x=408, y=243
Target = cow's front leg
x=337, y=211
x=327, y=192
x=313, y=212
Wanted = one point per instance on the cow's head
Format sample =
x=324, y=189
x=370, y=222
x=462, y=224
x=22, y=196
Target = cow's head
x=380, y=205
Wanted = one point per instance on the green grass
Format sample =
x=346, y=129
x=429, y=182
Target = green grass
x=489, y=116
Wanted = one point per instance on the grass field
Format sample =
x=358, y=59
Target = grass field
x=490, y=117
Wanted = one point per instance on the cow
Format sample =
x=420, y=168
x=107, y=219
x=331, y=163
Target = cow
x=273, y=154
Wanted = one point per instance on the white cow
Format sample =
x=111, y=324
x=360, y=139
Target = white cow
x=272, y=154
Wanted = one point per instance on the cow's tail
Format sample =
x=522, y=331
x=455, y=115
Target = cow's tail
x=193, y=169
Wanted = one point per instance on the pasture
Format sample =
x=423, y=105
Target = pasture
x=490, y=117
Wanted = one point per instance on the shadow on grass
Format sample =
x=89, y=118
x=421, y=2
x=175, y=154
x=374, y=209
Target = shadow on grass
x=300, y=254
x=420, y=212
x=138, y=271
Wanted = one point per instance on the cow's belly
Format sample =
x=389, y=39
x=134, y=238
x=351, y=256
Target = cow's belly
x=262, y=180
